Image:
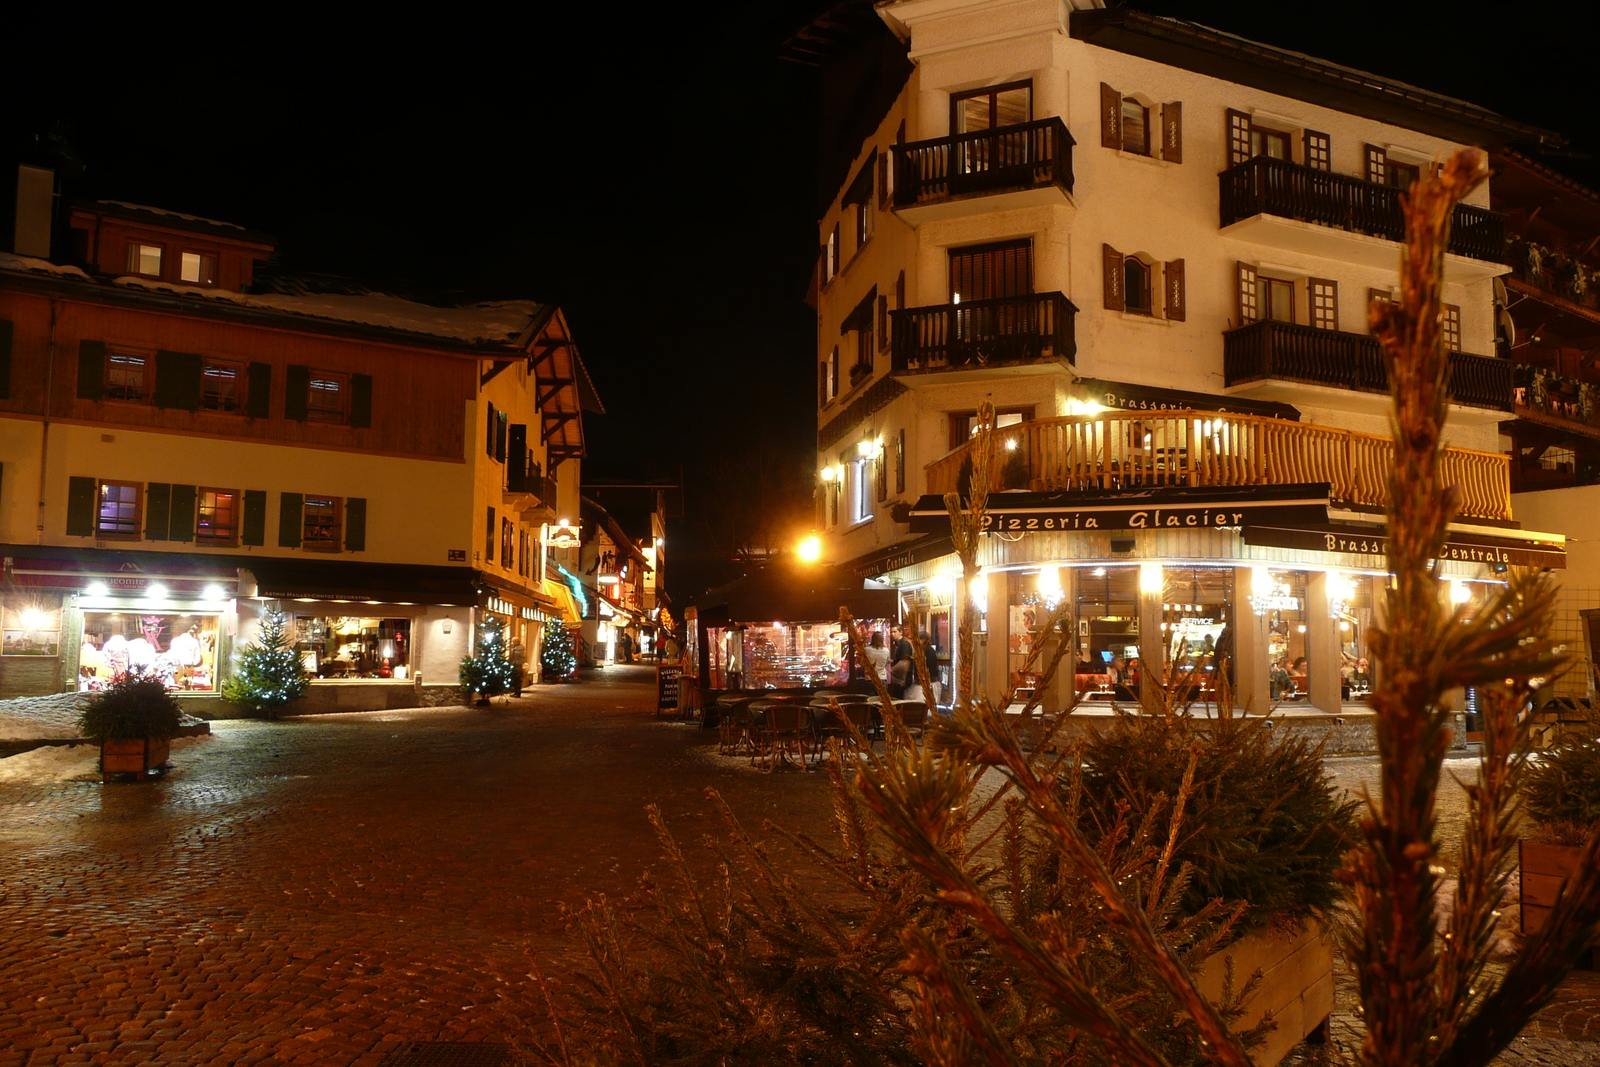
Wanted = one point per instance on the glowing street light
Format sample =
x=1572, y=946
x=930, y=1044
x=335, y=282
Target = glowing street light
x=810, y=549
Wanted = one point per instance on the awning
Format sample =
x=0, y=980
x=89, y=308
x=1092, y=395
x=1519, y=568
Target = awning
x=1166, y=507
x=388, y=583
x=1125, y=396
x=565, y=602
x=904, y=554
x=1374, y=541
x=792, y=592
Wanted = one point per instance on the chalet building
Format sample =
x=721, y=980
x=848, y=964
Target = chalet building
x=1151, y=247
x=1548, y=309
x=187, y=439
x=622, y=570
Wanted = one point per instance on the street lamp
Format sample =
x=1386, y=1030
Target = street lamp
x=810, y=549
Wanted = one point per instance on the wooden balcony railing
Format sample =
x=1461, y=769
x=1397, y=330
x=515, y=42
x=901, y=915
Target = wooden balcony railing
x=1010, y=330
x=1284, y=350
x=1026, y=156
x=1129, y=450
x=1294, y=191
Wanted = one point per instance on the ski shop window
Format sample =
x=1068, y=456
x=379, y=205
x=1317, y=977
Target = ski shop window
x=217, y=517
x=321, y=532
x=991, y=108
x=329, y=400
x=117, y=511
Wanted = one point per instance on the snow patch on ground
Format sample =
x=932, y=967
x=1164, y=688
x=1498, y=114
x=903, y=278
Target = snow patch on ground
x=67, y=763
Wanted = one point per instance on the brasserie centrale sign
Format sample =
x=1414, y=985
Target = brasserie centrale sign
x=1376, y=543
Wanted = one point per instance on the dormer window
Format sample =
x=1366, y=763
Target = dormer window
x=144, y=259
x=197, y=268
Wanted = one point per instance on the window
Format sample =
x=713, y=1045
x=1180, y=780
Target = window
x=328, y=396
x=1249, y=294
x=1324, y=304
x=964, y=424
x=1273, y=144
x=1136, y=285
x=488, y=540
x=1319, y=150
x=185, y=646
x=830, y=256
x=508, y=534
x=859, y=197
x=349, y=646
x=833, y=373
x=1240, y=148
x=992, y=271
x=1377, y=296
x=991, y=108
x=117, y=515
x=1135, y=126
x=883, y=321
x=900, y=462
x=220, y=386
x=217, y=520
x=144, y=259
x=1450, y=327
x=198, y=268
x=860, y=490
x=1277, y=297
x=321, y=532
x=127, y=375
x=1376, y=160
x=1400, y=176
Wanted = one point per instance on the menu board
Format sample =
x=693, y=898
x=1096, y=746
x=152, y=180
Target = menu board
x=667, y=677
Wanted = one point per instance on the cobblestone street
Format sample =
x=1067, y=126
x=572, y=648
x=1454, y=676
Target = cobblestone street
x=324, y=889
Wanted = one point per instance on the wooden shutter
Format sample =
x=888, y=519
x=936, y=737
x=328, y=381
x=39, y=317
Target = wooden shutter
x=178, y=380
x=502, y=426
x=91, y=370
x=1238, y=137
x=822, y=383
x=1324, y=295
x=1111, y=259
x=1110, y=117
x=1377, y=163
x=1318, y=150
x=182, y=525
x=1249, y=294
x=490, y=422
x=1172, y=279
x=258, y=396
x=900, y=462
x=81, y=493
x=488, y=540
x=291, y=515
x=1172, y=132
x=7, y=332
x=253, y=527
x=517, y=457
x=360, y=400
x=297, y=397
x=355, y=524
x=881, y=473
x=157, y=511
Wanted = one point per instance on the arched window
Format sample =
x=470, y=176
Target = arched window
x=1136, y=285
x=1135, y=126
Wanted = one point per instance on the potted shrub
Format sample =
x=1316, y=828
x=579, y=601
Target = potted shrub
x=134, y=720
x=1561, y=794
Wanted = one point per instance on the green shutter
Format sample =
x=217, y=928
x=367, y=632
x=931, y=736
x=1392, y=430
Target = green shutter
x=157, y=511
x=355, y=524
x=297, y=394
x=178, y=380
x=291, y=512
x=91, y=370
x=253, y=530
x=80, y=507
x=6, y=333
x=258, y=397
x=360, y=400
x=183, y=512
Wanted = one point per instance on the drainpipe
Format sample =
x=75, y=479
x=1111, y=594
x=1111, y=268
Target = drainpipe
x=44, y=427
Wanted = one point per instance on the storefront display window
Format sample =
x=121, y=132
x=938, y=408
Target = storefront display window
x=1108, y=631
x=1283, y=603
x=181, y=650
x=781, y=655
x=1197, y=624
x=353, y=647
x=1352, y=599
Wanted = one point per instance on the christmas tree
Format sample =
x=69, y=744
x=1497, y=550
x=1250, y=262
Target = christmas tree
x=556, y=659
x=488, y=673
x=269, y=674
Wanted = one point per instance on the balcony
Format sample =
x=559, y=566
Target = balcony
x=1136, y=450
x=1268, y=351
x=529, y=494
x=1557, y=401
x=991, y=170
x=1030, y=334
x=1299, y=208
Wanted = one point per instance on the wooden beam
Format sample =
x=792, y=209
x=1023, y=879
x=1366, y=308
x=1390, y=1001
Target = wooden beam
x=556, y=385
x=552, y=423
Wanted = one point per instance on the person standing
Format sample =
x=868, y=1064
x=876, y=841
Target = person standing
x=877, y=657
x=930, y=656
x=518, y=655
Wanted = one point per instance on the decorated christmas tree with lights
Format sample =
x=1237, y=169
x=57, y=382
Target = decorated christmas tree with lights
x=269, y=674
x=488, y=674
x=557, y=660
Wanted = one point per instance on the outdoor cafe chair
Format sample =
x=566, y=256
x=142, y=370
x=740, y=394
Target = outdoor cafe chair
x=837, y=725
x=914, y=714
x=785, y=728
x=734, y=728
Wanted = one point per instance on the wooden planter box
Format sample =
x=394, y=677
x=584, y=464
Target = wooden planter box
x=1296, y=985
x=133, y=755
x=1544, y=868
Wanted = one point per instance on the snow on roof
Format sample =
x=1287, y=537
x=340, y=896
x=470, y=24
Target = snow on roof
x=8, y=261
x=492, y=322
x=174, y=214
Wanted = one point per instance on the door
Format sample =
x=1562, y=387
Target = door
x=985, y=281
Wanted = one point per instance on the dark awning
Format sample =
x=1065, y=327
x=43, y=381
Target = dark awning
x=1374, y=541
x=1125, y=396
x=792, y=592
x=389, y=583
x=1165, y=507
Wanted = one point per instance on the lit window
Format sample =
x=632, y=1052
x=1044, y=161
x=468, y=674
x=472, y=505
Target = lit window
x=321, y=530
x=118, y=514
x=327, y=398
x=144, y=259
x=127, y=376
x=218, y=517
x=1273, y=144
x=219, y=387
x=198, y=268
x=861, y=490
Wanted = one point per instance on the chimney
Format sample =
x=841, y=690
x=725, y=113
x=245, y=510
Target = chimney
x=36, y=187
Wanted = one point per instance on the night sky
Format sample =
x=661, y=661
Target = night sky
x=649, y=167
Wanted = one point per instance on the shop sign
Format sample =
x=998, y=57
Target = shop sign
x=1209, y=517
x=1376, y=543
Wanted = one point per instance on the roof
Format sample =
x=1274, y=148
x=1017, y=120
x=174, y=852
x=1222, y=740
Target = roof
x=158, y=216
x=1520, y=181
x=1191, y=46
x=831, y=29
x=785, y=590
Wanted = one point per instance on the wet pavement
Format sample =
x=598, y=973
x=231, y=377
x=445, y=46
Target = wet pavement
x=323, y=890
